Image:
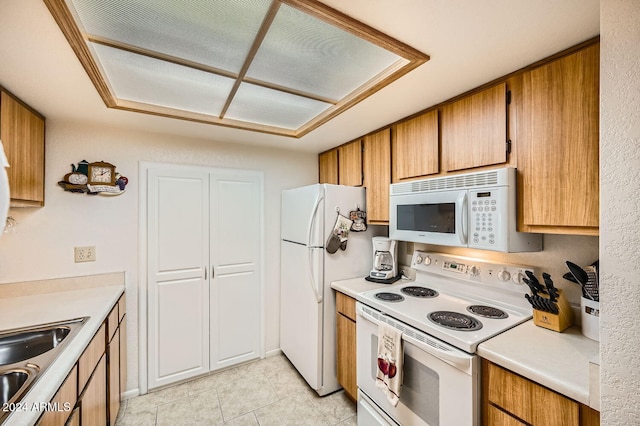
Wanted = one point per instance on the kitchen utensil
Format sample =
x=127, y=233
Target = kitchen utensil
x=532, y=287
x=553, y=292
x=581, y=277
x=591, y=287
x=530, y=300
x=535, y=281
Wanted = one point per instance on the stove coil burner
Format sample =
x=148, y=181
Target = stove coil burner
x=389, y=297
x=418, y=291
x=487, y=311
x=455, y=320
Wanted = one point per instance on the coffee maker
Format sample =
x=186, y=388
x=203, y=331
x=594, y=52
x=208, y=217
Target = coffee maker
x=385, y=259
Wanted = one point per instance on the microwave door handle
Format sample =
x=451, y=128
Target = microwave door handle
x=462, y=208
x=460, y=361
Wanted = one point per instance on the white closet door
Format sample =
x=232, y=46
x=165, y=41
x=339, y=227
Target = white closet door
x=178, y=293
x=235, y=304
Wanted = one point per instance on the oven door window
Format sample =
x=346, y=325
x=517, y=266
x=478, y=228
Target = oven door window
x=420, y=387
x=438, y=218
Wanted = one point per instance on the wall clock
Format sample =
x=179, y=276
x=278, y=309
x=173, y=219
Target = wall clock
x=101, y=173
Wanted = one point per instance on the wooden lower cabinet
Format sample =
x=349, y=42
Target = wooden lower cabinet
x=91, y=393
x=346, y=344
x=510, y=399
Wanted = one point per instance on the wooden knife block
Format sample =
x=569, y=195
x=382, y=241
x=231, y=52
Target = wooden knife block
x=556, y=322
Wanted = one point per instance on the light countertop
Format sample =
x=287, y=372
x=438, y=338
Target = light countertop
x=19, y=311
x=567, y=362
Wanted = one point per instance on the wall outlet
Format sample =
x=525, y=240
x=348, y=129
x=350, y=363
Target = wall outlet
x=84, y=254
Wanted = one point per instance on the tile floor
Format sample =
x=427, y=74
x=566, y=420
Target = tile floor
x=264, y=392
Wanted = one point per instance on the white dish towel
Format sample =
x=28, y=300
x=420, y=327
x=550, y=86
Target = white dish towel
x=390, y=359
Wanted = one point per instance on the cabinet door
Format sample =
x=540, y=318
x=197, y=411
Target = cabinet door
x=235, y=282
x=178, y=259
x=346, y=355
x=415, y=147
x=557, y=137
x=123, y=355
x=113, y=373
x=350, y=164
x=65, y=399
x=93, y=404
x=328, y=167
x=474, y=130
x=377, y=175
x=22, y=134
x=552, y=408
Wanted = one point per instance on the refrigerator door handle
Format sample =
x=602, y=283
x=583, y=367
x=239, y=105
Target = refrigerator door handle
x=312, y=219
x=312, y=280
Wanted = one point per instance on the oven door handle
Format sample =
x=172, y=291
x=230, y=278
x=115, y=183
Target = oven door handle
x=462, y=361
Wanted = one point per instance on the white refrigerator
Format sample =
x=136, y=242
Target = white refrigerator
x=307, y=303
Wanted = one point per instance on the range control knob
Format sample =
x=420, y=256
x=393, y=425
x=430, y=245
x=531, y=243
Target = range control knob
x=427, y=261
x=474, y=271
x=504, y=275
x=517, y=277
x=419, y=259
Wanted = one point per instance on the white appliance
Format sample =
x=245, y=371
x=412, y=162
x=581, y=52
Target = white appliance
x=4, y=189
x=454, y=304
x=475, y=210
x=307, y=303
x=385, y=258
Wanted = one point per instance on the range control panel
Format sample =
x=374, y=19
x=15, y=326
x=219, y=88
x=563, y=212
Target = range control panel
x=475, y=270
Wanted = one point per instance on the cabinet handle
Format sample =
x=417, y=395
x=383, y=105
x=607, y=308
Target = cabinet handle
x=205, y=273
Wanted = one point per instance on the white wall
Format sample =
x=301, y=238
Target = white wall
x=41, y=246
x=620, y=211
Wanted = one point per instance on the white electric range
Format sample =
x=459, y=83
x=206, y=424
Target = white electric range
x=454, y=304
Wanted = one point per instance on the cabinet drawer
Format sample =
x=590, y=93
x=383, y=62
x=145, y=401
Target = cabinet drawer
x=346, y=305
x=90, y=357
x=509, y=391
x=529, y=401
x=496, y=417
x=65, y=399
x=112, y=322
x=122, y=306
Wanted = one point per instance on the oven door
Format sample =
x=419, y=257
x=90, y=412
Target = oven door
x=432, y=218
x=441, y=384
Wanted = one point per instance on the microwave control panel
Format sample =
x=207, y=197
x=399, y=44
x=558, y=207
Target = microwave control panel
x=487, y=214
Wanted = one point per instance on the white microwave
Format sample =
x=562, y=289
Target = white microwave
x=475, y=210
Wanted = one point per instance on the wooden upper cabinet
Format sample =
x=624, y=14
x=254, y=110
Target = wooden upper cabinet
x=328, y=167
x=557, y=152
x=474, y=130
x=22, y=134
x=350, y=164
x=377, y=175
x=414, y=147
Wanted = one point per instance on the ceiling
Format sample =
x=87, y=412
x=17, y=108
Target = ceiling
x=469, y=43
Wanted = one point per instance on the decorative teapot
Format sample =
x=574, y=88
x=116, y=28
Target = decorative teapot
x=83, y=167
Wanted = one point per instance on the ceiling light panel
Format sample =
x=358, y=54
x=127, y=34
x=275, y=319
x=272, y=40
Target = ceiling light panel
x=261, y=105
x=277, y=66
x=218, y=34
x=309, y=55
x=147, y=80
